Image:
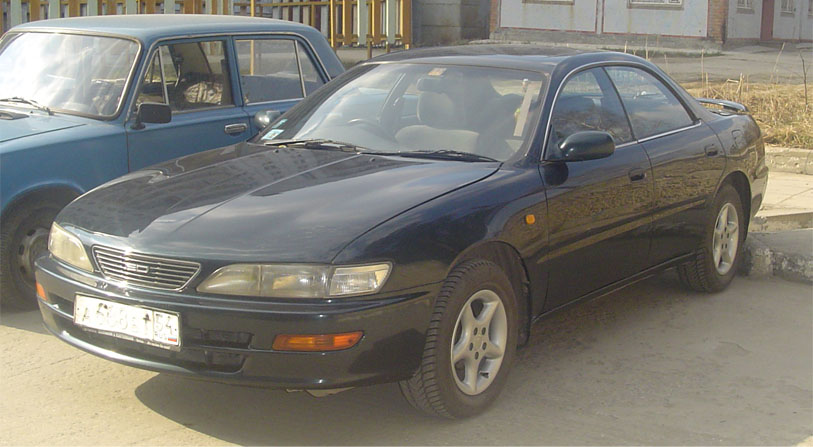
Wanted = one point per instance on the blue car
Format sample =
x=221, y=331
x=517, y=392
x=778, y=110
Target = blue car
x=85, y=100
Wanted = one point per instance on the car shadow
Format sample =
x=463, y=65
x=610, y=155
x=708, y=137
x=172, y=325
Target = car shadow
x=379, y=415
x=23, y=319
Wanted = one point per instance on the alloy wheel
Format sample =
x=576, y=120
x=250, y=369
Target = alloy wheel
x=478, y=345
x=726, y=238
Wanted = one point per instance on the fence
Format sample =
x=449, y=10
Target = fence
x=341, y=21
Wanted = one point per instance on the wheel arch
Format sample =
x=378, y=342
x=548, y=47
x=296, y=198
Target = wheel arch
x=739, y=181
x=59, y=193
x=508, y=258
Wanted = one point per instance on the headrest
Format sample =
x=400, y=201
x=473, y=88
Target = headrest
x=437, y=110
x=432, y=84
x=574, y=103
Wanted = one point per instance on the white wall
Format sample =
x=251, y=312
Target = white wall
x=579, y=16
x=807, y=22
x=787, y=26
x=690, y=20
x=744, y=23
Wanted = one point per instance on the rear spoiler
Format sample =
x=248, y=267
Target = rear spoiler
x=729, y=106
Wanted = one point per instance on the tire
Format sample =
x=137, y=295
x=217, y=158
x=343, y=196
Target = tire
x=441, y=387
x=23, y=238
x=717, y=260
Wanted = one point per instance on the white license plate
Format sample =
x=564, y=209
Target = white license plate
x=148, y=326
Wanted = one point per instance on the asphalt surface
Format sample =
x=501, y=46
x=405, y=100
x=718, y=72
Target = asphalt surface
x=650, y=364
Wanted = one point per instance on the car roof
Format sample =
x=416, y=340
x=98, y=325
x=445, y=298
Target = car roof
x=516, y=56
x=149, y=27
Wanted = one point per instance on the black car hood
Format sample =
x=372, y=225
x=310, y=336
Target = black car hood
x=251, y=203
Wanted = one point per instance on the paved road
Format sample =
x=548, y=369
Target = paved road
x=651, y=364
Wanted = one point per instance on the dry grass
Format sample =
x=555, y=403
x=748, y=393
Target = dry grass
x=780, y=109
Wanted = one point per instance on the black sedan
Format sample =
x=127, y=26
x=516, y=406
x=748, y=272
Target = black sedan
x=408, y=222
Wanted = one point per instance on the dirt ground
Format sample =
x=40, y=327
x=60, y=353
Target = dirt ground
x=651, y=364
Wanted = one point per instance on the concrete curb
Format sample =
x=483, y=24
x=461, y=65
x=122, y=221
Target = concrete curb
x=788, y=159
x=762, y=258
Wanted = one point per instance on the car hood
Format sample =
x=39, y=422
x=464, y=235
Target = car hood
x=251, y=203
x=16, y=124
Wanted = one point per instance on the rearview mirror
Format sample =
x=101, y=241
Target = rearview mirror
x=152, y=112
x=587, y=145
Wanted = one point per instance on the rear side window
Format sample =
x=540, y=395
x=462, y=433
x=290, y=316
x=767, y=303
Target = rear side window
x=652, y=107
x=588, y=102
x=275, y=70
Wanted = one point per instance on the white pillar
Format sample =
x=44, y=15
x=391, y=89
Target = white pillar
x=131, y=7
x=391, y=25
x=169, y=6
x=53, y=9
x=362, y=18
x=92, y=8
x=15, y=12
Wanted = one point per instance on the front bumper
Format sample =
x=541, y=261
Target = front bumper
x=230, y=340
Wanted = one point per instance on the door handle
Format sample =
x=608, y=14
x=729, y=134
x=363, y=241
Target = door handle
x=712, y=150
x=234, y=129
x=637, y=175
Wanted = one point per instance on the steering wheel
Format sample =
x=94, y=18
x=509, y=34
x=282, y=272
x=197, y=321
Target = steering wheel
x=375, y=127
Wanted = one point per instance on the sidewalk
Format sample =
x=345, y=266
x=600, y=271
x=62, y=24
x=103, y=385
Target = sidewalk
x=780, y=240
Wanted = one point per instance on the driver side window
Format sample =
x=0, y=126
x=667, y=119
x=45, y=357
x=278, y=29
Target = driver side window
x=188, y=76
x=587, y=102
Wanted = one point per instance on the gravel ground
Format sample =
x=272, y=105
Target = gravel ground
x=651, y=364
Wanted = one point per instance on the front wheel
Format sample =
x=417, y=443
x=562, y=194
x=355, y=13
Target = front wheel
x=23, y=239
x=470, y=344
x=718, y=258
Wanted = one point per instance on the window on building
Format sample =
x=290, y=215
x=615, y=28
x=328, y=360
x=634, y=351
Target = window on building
x=788, y=6
x=655, y=3
x=746, y=4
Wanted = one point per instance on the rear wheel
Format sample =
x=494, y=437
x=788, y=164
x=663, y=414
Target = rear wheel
x=23, y=239
x=718, y=259
x=470, y=344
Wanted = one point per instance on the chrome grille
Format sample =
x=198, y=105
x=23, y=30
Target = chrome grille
x=144, y=270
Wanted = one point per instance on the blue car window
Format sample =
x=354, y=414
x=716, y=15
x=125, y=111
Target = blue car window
x=269, y=70
x=196, y=75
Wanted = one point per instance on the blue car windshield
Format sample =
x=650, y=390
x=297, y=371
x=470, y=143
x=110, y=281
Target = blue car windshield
x=409, y=107
x=71, y=73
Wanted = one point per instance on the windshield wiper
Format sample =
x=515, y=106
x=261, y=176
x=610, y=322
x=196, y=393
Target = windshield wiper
x=321, y=144
x=441, y=154
x=29, y=102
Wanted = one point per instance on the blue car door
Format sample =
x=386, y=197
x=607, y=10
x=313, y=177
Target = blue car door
x=276, y=72
x=195, y=77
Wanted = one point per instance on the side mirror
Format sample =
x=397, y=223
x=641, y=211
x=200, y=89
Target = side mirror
x=587, y=145
x=152, y=112
x=265, y=117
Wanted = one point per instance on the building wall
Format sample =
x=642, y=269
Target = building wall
x=577, y=16
x=792, y=26
x=690, y=20
x=744, y=23
x=807, y=22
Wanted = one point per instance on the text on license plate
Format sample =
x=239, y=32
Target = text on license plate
x=152, y=327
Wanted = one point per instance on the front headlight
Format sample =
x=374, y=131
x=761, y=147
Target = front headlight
x=68, y=248
x=295, y=280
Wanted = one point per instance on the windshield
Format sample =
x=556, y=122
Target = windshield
x=486, y=111
x=70, y=73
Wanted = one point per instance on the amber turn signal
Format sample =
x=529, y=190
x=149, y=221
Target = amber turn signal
x=316, y=343
x=41, y=292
